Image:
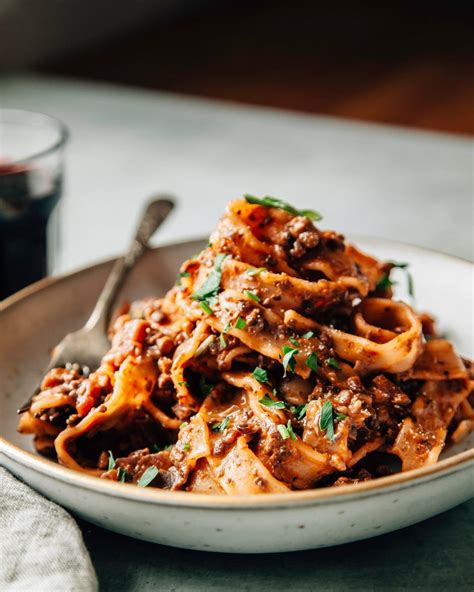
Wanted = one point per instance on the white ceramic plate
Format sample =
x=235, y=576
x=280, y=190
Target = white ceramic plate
x=37, y=318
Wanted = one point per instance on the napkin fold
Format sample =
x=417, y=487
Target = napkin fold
x=41, y=546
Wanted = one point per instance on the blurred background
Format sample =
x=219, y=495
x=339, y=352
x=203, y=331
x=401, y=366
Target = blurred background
x=407, y=63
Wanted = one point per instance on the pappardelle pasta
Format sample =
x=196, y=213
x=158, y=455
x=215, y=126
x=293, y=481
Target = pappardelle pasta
x=279, y=361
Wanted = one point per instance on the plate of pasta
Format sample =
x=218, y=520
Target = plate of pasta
x=274, y=387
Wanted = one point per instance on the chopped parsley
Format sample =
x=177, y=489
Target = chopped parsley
x=294, y=342
x=286, y=431
x=227, y=327
x=333, y=363
x=255, y=270
x=147, y=477
x=308, y=334
x=240, y=323
x=312, y=361
x=206, y=308
x=220, y=426
x=210, y=288
x=222, y=341
x=385, y=282
x=340, y=416
x=273, y=202
x=299, y=411
x=205, y=387
x=252, y=296
x=184, y=274
x=183, y=425
x=326, y=420
x=121, y=475
x=187, y=447
x=271, y=403
x=289, y=361
x=260, y=374
x=183, y=383
x=111, y=461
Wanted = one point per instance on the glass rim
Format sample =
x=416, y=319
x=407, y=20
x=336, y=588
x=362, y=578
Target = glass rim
x=38, y=116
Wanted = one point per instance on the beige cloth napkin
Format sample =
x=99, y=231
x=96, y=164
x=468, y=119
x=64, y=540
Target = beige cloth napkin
x=41, y=546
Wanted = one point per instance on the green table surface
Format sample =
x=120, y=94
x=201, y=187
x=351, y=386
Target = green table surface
x=436, y=554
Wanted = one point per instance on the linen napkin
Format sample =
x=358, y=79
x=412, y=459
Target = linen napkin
x=41, y=546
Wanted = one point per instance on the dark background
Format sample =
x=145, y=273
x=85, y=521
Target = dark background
x=408, y=63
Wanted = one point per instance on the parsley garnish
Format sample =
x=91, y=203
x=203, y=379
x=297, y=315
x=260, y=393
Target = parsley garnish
x=255, y=270
x=294, y=341
x=240, y=323
x=205, y=387
x=121, y=475
x=111, y=461
x=333, y=363
x=183, y=383
x=206, y=308
x=210, y=288
x=326, y=421
x=227, y=327
x=260, y=374
x=220, y=426
x=269, y=402
x=184, y=274
x=385, y=282
x=187, y=447
x=308, y=335
x=340, y=416
x=183, y=425
x=312, y=361
x=273, y=202
x=289, y=361
x=147, y=477
x=252, y=296
x=222, y=341
x=299, y=411
x=286, y=431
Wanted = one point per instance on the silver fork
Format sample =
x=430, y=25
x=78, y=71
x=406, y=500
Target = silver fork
x=87, y=346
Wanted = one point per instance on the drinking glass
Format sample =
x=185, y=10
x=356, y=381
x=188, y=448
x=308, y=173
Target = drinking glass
x=31, y=180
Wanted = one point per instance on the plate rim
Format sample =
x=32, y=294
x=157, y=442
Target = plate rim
x=326, y=496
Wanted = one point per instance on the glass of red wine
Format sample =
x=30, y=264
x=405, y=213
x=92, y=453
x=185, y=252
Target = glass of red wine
x=31, y=179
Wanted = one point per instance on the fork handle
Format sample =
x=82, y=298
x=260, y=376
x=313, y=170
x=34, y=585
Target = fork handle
x=152, y=217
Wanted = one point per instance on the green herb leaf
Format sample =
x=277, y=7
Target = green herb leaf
x=273, y=202
x=183, y=383
x=289, y=429
x=340, y=416
x=399, y=265
x=183, y=425
x=211, y=286
x=312, y=361
x=206, y=308
x=271, y=403
x=260, y=374
x=221, y=426
x=121, y=474
x=255, y=270
x=289, y=361
x=333, y=363
x=222, y=341
x=308, y=335
x=204, y=387
x=283, y=431
x=184, y=274
x=252, y=295
x=299, y=411
x=385, y=282
x=147, y=477
x=411, y=284
x=326, y=421
x=187, y=447
x=227, y=327
x=111, y=461
x=294, y=341
x=240, y=323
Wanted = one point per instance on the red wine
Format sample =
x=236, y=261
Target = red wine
x=27, y=198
